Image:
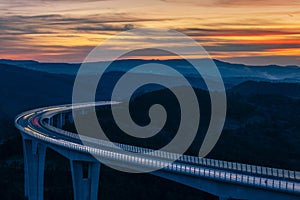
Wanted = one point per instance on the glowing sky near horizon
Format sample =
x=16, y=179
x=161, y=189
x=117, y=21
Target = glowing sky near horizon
x=242, y=31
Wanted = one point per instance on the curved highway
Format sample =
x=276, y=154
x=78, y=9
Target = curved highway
x=37, y=125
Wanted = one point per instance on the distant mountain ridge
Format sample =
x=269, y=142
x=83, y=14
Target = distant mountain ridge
x=232, y=74
x=218, y=62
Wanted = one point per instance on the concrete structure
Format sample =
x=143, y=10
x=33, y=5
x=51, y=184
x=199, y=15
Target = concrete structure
x=42, y=129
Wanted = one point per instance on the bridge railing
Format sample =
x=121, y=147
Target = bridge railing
x=252, y=169
x=263, y=182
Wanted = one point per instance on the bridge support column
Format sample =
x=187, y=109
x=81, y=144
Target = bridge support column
x=60, y=120
x=85, y=187
x=34, y=163
x=51, y=121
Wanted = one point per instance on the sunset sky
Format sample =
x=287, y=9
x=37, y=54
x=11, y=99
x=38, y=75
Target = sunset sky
x=241, y=31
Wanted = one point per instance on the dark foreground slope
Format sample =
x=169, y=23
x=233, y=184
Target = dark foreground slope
x=23, y=89
x=261, y=128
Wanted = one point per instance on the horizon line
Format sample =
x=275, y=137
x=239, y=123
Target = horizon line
x=142, y=59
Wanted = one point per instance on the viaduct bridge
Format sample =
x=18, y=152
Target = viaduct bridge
x=42, y=129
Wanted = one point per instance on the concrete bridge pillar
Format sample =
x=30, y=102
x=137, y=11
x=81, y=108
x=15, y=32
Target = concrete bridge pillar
x=51, y=121
x=34, y=163
x=60, y=120
x=85, y=185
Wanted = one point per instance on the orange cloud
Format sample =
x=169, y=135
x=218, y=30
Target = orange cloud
x=67, y=30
